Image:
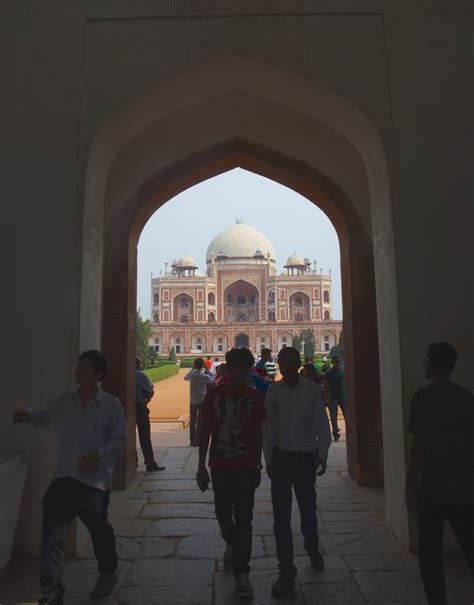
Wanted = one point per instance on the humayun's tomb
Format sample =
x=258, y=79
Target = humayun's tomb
x=241, y=300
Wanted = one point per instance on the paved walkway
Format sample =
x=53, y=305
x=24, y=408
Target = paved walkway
x=170, y=549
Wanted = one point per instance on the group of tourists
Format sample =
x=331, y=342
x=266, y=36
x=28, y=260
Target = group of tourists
x=287, y=421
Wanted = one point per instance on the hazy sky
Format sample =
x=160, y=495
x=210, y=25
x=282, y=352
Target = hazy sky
x=188, y=222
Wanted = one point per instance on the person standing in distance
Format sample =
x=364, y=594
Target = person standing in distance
x=335, y=393
x=232, y=414
x=92, y=433
x=144, y=393
x=296, y=443
x=440, y=476
x=199, y=378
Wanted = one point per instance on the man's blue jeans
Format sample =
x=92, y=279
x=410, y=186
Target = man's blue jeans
x=293, y=470
x=64, y=500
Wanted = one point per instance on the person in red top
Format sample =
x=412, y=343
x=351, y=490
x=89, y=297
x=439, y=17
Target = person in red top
x=208, y=363
x=232, y=415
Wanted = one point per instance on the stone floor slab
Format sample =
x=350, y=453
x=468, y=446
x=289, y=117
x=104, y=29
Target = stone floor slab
x=169, y=595
x=155, y=548
x=389, y=587
x=212, y=547
x=193, y=495
x=338, y=516
x=354, y=527
x=374, y=562
x=168, y=485
x=334, y=594
x=171, y=572
x=182, y=527
x=359, y=544
x=125, y=508
x=130, y=528
x=175, y=511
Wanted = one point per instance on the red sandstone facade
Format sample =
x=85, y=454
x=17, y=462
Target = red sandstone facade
x=241, y=301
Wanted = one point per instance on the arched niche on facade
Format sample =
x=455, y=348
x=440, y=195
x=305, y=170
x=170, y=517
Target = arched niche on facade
x=300, y=307
x=183, y=308
x=241, y=302
x=198, y=343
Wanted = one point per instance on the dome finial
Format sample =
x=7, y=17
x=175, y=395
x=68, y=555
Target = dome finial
x=239, y=220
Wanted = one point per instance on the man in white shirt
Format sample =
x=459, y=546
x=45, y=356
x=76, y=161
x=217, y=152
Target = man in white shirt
x=199, y=378
x=296, y=442
x=92, y=433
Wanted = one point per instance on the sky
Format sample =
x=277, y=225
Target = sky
x=188, y=222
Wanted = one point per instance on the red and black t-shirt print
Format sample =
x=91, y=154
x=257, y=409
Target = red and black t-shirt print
x=235, y=420
x=230, y=437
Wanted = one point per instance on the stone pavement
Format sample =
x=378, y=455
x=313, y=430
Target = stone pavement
x=170, y=549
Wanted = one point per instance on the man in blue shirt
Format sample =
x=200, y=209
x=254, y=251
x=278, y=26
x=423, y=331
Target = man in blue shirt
x=92, y=433
x=143, y=393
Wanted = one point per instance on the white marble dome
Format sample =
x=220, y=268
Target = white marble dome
x=240, y=241
x=186, y=261
x=294, y=260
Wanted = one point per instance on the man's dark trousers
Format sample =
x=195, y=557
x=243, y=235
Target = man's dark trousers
x=454, y=503
x=234, y=500
x=194, y=423
x=64, y=500
x=334, y=405
x=293, y=470
x=144, y=433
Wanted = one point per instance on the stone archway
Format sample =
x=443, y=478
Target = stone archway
x=364, y=418
x=242, y=340
x=257, y=87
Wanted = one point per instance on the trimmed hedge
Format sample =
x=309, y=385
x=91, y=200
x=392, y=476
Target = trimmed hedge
x=162, y=372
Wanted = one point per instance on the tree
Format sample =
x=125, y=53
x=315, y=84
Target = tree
x=143, y=334
x=296, y=343
x=309, y=343
x=339, y=348
x=172, y=354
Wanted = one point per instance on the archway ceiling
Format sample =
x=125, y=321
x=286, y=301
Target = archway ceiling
x=245, y=117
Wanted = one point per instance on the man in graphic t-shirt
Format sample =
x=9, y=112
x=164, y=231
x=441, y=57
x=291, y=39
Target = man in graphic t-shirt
x=231, y=416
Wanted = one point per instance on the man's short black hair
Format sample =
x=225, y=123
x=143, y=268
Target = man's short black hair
x=290, y=352
x=335, y=358
x=239, y=357
x=442, y=357
x=96, y=359
x=265, y=351
x=199, y=363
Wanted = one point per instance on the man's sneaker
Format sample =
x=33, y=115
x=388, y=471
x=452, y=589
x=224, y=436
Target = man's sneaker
x=227, y=559
x=336, y=436
x=56, y=600
x=243, y=588
x=317, y=561
x=104, y=585
x=283, y=587
x=154, y=468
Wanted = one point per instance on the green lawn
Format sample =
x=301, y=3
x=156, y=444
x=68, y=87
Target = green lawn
x=161, y=372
